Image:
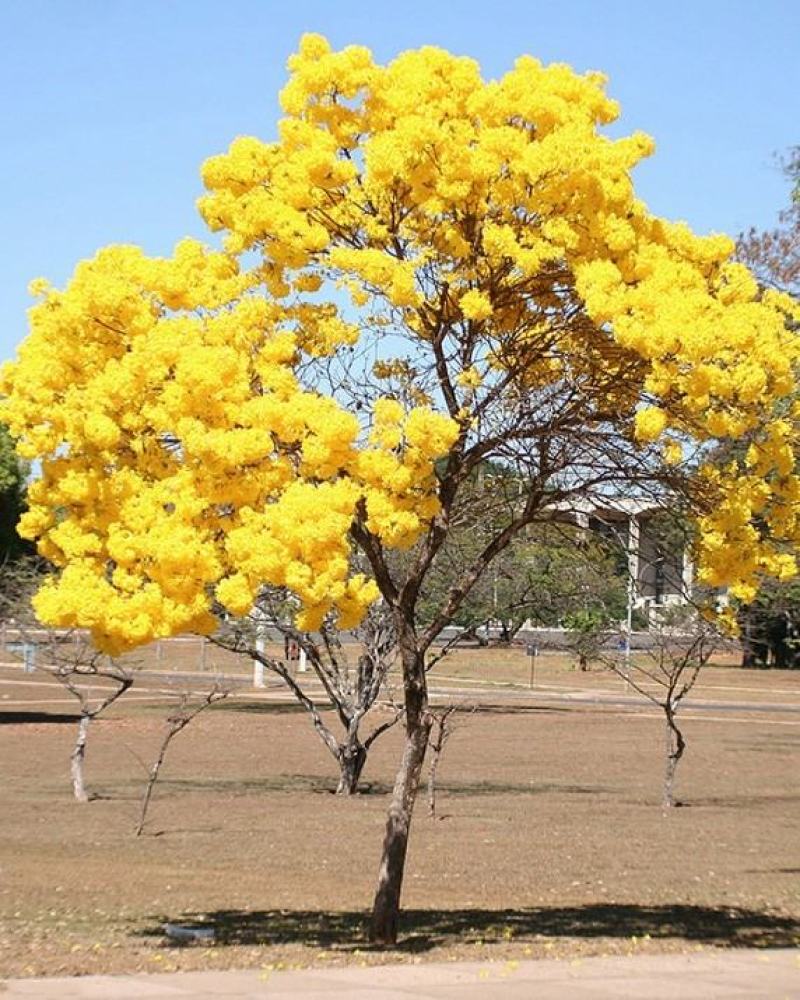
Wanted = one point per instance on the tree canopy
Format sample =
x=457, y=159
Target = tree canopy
x=424, y=271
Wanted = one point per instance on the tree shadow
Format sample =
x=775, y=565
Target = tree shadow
x=773, y=871
x=423, y=930
x=747, y=801
x=21, y=718
x=318, y=784
x=768, y=744
x=486, y=708
x=259, y=707
x=303, y=783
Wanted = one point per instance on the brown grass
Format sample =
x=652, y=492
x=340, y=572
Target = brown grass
x=551, y=840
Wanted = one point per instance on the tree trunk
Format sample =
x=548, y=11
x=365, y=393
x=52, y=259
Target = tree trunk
x=386, y=908
x=172, y=730
x=351, y=763
x=436, y=752
x=442, y=724
x=77, y=758
x=675, y=745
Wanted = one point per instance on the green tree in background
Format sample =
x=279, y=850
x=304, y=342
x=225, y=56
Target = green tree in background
x=548, y=573
x=13, y=474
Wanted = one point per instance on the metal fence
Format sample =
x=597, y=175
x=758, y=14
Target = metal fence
x=189, y=654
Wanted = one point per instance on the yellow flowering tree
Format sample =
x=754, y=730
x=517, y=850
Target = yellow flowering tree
x=424, y=272
x=767, y=623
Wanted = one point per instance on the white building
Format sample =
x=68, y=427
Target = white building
x=660, y=572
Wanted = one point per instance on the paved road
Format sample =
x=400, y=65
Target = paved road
x=710, y=975
x=590, y=697
x=40, y=690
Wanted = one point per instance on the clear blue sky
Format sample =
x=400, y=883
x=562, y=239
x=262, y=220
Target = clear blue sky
x=108, y=107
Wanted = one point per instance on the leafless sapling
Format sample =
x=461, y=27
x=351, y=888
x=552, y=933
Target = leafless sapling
x=681, y=644
x=93, y=678
x=177, y=720
x=443, y=725
x=350, y=671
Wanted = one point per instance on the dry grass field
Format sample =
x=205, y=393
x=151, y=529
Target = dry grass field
x=550, y=841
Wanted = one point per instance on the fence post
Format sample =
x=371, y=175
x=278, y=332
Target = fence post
x=29, y=657
x=258, y=666
x=532, y=651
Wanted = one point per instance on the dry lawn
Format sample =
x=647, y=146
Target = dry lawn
x=551, y=839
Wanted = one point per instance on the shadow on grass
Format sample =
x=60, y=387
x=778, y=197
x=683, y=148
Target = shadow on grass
x=739, y=801
x=769, y=743
x=157, y=708
x=319, y=784
x=773, y=871
x=423, y=930
x=259, y=707
x=21, y=718
x=488, y=708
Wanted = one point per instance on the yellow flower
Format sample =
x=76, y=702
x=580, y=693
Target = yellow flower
x=673, y=452
x=475, y=305
x=470, y=378
x=649, y=423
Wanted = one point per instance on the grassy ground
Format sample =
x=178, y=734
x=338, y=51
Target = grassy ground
x=550, y=839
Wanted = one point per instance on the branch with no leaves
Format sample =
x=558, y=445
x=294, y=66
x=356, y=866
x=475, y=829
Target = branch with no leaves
x=353, y=675
x=441, y=731
x=67, y=655
x=666, y=673
x=176, y=722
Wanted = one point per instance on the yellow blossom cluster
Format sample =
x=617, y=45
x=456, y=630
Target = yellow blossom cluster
x=187, y=455
x=183, y=463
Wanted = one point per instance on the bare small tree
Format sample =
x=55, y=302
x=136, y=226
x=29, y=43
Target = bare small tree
x=681, y=644
x=443, y=725
x=80, y=667
x=176, y=722
x=351, y=678
x=94, y=679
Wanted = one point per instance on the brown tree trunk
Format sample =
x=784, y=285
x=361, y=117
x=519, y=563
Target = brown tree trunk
x=443, y=727
x=386, y=907
x=435, y=754
x=675, y=745
x=151, y=781
x=351, y=764
x=77, y=758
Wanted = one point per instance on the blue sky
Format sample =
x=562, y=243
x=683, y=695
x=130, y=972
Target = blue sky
x=108, y=107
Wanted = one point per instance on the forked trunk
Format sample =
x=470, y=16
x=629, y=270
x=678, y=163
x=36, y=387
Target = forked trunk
x=77, y=759
x=351, y=763
x=386, y=908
